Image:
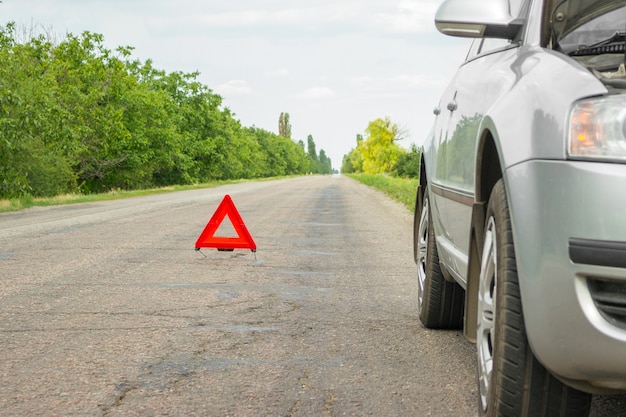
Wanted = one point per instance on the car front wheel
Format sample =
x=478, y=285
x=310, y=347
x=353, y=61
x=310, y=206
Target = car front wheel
x=512, y=382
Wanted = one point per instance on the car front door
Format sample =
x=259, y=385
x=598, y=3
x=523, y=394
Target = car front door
x=477, y=84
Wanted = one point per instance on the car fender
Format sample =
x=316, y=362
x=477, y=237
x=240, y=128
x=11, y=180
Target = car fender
x=537, y=106
x=546, y=84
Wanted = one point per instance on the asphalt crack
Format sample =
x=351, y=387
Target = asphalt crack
x=121, y=391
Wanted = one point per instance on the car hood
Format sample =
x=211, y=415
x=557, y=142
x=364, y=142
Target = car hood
x=570, y=14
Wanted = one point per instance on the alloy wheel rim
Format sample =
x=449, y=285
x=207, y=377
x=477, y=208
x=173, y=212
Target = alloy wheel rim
x=485, y=335
x=422, y=251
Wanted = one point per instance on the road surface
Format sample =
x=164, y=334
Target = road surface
x=107, y=310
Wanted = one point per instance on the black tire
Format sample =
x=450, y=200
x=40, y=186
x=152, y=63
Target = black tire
x=511, y=381
x=440, y=303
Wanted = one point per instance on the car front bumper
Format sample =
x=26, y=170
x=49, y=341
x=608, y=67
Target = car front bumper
x=569, y=229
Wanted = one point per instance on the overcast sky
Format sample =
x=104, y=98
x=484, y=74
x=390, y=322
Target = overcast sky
x=333, y=65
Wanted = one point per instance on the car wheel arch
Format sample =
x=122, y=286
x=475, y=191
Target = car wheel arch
x=419, y=200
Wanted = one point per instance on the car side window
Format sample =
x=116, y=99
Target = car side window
x=486, y=45
x=474, y=49
x=491, y=44
x=481, y=46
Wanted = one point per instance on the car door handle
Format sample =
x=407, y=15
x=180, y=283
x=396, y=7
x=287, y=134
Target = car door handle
x=452, y=106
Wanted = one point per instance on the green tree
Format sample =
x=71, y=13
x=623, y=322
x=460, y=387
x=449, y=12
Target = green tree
x=33, y=144
x=284, y=126
x=353, y=161
x=326, y=166
x=311, y=150
x=77, y=116
x=408, y=164
x=346, y=165
x=379, y=150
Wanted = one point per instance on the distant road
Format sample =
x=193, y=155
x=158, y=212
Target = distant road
x=107, y=310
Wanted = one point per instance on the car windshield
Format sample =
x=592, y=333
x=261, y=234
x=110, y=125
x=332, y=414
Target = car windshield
x=602, y=35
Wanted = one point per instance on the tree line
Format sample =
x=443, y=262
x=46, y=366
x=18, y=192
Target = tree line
x=77, y=117
x=379, y=152
x=318, y=163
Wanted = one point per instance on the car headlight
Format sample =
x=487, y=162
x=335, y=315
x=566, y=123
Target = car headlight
x=598, y=129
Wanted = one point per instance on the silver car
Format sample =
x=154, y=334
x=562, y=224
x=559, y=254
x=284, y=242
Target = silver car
x=520, y=222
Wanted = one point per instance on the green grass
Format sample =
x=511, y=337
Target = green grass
x=29, y=201
x=400, y=189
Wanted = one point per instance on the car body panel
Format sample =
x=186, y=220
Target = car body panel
x=512, y=84
x=556, y=201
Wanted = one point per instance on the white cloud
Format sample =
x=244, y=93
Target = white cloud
x=247, y=18
x=316, y=93
x=416, y=80
x=409, y=16
x=361, y=80
x=400, y=85
x=280, y=72
x=321, y=18
x=239, y=18
x=234, y=88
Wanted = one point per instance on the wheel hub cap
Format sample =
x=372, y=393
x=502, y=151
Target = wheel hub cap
x=486, y=311
x=422, y=251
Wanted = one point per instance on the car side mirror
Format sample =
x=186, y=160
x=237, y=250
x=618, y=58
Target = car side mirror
x=477, y=19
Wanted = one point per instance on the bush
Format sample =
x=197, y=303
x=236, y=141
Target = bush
x=408, y=164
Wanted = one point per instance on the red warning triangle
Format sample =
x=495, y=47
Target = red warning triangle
x=208, y=239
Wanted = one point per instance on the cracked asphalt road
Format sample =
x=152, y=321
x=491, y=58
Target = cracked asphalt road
x=107, y=310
